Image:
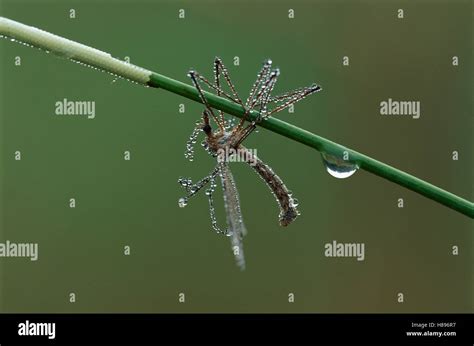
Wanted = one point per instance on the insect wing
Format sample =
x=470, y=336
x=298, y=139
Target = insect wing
x=236, y=227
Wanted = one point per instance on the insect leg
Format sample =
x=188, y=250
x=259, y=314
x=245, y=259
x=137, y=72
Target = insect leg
x=194, y=79
x=219, y=68
x=262, y=99
x=193, y=189
x=293, y=98
x=261, y=76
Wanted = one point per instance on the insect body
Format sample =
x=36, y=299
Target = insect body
x=223, y=137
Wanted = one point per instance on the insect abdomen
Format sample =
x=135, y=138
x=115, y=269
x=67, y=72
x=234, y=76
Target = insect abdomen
x=288, y=210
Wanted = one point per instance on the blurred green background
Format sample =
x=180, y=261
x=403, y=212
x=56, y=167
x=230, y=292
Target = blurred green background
x=174, y=250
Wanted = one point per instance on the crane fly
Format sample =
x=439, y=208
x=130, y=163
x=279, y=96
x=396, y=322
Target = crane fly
x=223, y=135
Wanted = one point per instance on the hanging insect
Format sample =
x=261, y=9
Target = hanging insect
x=227, y=138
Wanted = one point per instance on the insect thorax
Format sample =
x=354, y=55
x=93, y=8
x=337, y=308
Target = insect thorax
x=219, y=142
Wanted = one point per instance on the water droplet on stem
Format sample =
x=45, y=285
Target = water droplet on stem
x=338, y=167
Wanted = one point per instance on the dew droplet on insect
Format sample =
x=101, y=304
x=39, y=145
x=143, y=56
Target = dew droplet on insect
x=182, y=202
x=337, y=167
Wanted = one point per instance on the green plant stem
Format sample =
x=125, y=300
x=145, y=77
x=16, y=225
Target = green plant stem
x=323, y=145
x=103, y=61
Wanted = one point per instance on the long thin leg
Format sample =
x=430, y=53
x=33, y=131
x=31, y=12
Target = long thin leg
x=217, y=82
x=220, y=67
x=193, y=189
x=246, y=132
x=286, y=95
x=263, y=96
x=214, y=87
x=291, y=96
x=266, y=88
x=192, y=75
x=189, y=153
x=203, y=126
x=212, y=210
x=260, y=77
x=298, y=97
x=266, y=80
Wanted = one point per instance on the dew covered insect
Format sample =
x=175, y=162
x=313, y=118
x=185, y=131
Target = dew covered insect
x=223, y=135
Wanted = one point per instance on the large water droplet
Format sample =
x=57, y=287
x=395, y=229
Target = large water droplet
x=338, y=167
x=182, y=202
